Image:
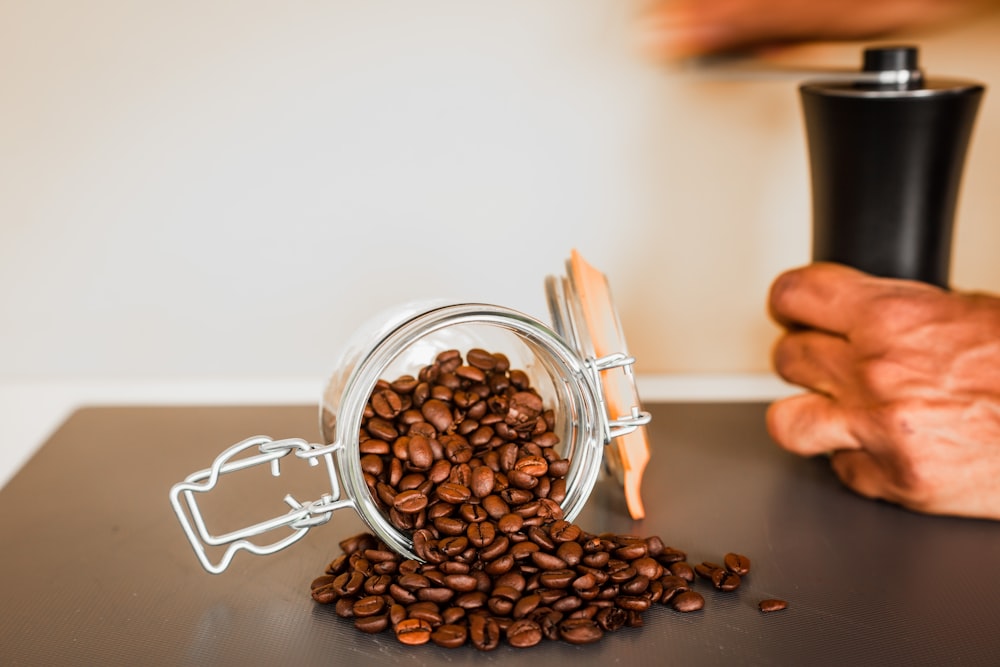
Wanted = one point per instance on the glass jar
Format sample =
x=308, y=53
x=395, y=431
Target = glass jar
x=560, y=362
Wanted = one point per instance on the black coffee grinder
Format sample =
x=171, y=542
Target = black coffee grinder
x=887, y=147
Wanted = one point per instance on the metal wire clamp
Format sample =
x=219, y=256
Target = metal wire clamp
x=618, y=425
x=299, y=519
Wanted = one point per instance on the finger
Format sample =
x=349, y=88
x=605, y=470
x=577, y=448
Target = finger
x=821, y=296
x=862, y=473
x=814, y=360
x=810, y=424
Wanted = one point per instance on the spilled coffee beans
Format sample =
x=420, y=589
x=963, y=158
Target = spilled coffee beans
x=463, y=457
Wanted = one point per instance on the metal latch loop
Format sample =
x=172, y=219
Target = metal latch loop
x=617, y=425
x=299, y=519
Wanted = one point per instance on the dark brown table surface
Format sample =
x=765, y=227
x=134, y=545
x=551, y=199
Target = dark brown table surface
x=96, y=570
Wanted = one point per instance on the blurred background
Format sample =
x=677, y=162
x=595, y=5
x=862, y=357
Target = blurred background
x=228, y=189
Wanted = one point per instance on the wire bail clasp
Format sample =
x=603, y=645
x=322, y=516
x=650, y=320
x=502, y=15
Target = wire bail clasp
x=618, y=425
x=299, y=519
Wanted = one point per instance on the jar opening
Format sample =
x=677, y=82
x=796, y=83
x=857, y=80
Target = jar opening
x=555, y=371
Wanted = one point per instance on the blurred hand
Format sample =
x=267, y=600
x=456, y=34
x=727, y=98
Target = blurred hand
x=904, y=386
x=675, y=29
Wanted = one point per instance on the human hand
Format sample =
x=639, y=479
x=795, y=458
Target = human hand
x=904, y=383
x=676, y=29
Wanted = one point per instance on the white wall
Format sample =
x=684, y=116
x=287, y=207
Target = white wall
x=229, y=188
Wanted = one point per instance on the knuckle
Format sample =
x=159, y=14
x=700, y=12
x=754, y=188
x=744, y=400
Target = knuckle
x=782, y=356
x=783, y=289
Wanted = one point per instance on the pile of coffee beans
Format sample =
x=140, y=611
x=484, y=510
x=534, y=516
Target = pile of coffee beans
x=464, y=458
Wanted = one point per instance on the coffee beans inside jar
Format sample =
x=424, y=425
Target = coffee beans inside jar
x=464, y=458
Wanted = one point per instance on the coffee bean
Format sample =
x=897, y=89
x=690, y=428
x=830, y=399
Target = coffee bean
x=481, y=359
x=564, y=531
x=372, y=624
x=567, y=604
x=648, y=567
x=484, y=633
x=437, y=413
x=322, y=580
x=354, y=583
x=358, y=542
x=458, y=450
x=558, y=491
x=683, y=570
x=448, y=359
x=455, y=494
x=535, y=466
x=411, y=482
x=510, y=523
x=636, y=585
x=369, y=606
x=324, y=594
x=449, y=635
x=632, y=602
x=497, y=548
x=610, y=619
x=526, y=605
x=772, y=604
x=499, y=607
x=495, y=506
x=597, y=559
x=471, y=513
x=559, y=468
x=471, y=374
x=380, y=555
x=580, y=631
x=737, y=564
x=523, y=550
x=570, y=552
x=404, y=384
x=439, y=471
x=631, y=551
x=548, y=561
x=507, y=455
x=724, y=580
x=451, y=567
x=413, y=631
x=454, y=545
x=435, y=594
x=410, y=501
x=514, y=496
x=622, y=574
x=524, y=633
x=450, y=526
x=481, y=534
x=541, y=537
x=671, y=555
x=382, y=429
x=588, y=612
x=378, y=584
x=386, y=403
x=344, y=607
x=453, y=616
x=499, y=565
x=419, y=453
x=705, y=570
x=688, y=601
x=524, y=408
x=425, y=610
x=561, y=578
x=462, y=583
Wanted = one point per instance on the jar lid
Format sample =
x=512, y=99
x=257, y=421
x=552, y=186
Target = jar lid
x=584, y=314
